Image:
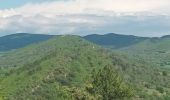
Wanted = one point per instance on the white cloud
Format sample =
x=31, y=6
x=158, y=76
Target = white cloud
x=84, y=6
x=89, y=16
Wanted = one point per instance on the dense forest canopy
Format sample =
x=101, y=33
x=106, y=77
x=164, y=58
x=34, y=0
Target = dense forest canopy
x=72, y=68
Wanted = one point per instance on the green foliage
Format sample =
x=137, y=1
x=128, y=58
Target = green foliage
x=160, y=89
x=165, y=73
x=110, y=85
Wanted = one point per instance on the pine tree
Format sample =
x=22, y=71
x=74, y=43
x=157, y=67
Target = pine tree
x=108, y=83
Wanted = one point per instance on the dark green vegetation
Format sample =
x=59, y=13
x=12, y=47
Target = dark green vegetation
x=71, y=68
x=108, y=83
x=20, y=40
x=112, y=40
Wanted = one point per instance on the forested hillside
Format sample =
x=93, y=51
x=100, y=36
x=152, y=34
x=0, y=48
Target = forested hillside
x=69, y=67
x=155, y=51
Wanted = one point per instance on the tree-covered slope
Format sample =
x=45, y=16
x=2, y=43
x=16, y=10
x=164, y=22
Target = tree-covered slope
x=114, y=40
x=20, y=40
x=55, y=69
x=155, y=51
x=61, y=68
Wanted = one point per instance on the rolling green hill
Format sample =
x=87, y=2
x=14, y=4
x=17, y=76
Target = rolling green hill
x=50, y=70
x=20, y=40
x=155, y=51
x=61, y=68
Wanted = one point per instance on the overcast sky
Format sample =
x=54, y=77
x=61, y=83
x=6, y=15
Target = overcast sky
x=82, y=17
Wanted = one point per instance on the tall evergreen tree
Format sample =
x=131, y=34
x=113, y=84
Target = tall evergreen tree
x=108, y=83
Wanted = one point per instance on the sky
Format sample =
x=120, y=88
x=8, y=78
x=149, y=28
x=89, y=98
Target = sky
x=82, y=17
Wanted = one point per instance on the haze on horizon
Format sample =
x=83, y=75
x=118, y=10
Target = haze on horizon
x=82, y=17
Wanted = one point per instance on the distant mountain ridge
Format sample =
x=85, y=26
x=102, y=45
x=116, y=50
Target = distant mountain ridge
x=114, y=40
x=111, y=40
x=19, y=40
